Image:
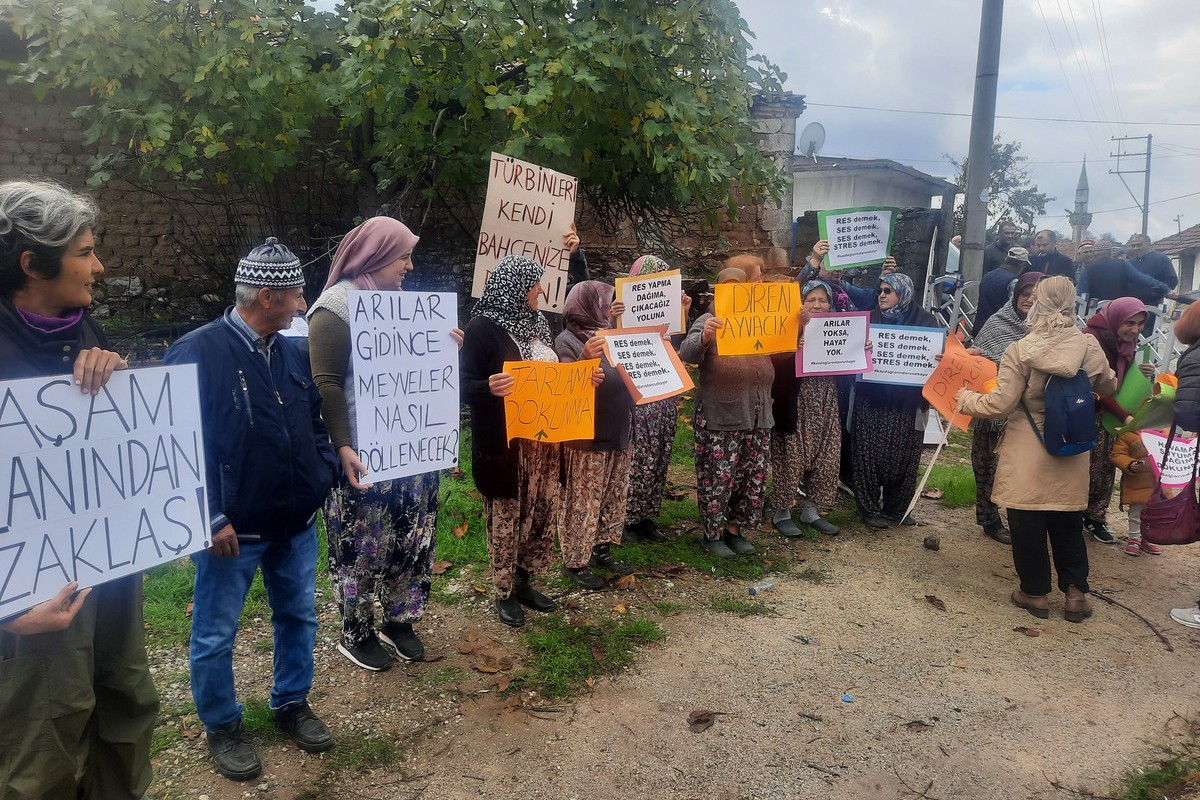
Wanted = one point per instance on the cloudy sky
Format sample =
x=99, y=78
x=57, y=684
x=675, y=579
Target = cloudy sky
x=1128, y=63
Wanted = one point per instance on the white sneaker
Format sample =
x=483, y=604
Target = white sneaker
x=1188, y=617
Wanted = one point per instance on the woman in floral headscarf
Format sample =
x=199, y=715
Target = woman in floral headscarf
x=806, y=442
x=653, y=436
x=885, y=437
x=597, y=471
x=380, y=534
x=521, y=481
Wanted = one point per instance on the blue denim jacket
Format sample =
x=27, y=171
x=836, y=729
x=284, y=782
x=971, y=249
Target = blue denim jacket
x=269, y=460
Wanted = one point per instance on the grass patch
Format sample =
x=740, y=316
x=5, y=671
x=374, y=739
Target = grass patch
x=562, y=656
x=461, y=502
x=359, y=753
x=683, y=452
x=1160, y=781
x=743, y=608
x=446, y=676
x=957, y=481
x=812, y=575
x=670, y=609
x=686, y=550
x=259, y=719
x=163, y=738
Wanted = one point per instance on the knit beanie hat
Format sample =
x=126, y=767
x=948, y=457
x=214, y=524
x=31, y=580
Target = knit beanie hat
x=271, y=265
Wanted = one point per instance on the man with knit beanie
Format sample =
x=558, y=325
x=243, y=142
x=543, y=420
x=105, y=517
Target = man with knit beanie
x=270, y=467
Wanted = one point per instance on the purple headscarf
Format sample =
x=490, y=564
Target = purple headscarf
x=1109, y=319
x=587, y=307
x=369, y=248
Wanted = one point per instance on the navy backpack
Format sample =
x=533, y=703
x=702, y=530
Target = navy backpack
x=1070, y=426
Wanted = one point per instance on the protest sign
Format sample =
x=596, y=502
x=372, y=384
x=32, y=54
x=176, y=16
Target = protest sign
x=760, y=318
x=903, y=354
x=405, y=381
x=527, y=212
x=652, y=300
x=649, y=366
x=98, y=487
x=835, y=344
x=958, y=369
x=857, y=237
x=551, y=402
x=1178, y=470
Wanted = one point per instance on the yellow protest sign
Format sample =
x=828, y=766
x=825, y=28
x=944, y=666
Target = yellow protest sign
x=551, y=402
x=760, y=318
x=958, y=369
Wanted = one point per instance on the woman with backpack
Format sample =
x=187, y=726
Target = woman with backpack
x=1116, y=327
x=1045, y=494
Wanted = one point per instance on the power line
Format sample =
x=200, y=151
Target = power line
x=1062, y=67
x=1130, y=208
x=1098, y=17
x=1004, y=116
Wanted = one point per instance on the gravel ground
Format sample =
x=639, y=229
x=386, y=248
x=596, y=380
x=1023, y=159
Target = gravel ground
x=857, y=686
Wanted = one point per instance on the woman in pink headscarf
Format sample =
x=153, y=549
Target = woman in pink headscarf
x=1117, y=327
x=380, y=534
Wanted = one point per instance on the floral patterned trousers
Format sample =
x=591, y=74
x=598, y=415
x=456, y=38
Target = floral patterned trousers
x=520, y=530
x=594, y=505
x=381, y=547
x=731, y=477
x=653, y=435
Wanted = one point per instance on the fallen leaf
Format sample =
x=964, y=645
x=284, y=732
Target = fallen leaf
x=701, y=720
x=571, y=603
x=936, y=602
x=503, y=684
x=466, y=649
x=429, y=659
x=478, y=588
x=597, y=654
x=675, y=493
x=958, y=665
x=485, y=668
x=441, y=566
x=932, y=494
x=918, y=725
x=188, y=613
x=620, y=608
x=189, y=732
x=768, y=563
x=456, y=472
x=1031, y=632
x=460, y=530
x=472, y=636
x=626, y=582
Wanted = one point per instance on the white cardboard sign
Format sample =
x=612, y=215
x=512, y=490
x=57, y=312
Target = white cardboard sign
x=651, y=368
x=1178, y=471
x=903, y=354
x=96, y=488
x=835, y=344
x=405, y=381
x=528, y=211
x=652, y=300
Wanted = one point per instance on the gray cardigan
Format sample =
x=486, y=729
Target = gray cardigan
x=734, y=392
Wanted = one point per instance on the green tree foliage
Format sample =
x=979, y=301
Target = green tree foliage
x=1012, y=193
x=647, y=101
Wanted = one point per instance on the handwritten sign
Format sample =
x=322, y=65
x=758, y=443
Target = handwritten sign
x=760, y=318
x=958, y=369
x=551, y=402
x=527, y=212
x=903, y=354
x=652, y=300
x=405, y=381
x=649, y=366
x=96, y=488
x=857, y=237
x=835, y=344
x=1178, y=470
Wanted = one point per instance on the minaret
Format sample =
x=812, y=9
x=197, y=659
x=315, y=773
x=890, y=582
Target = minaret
x=1080, y=218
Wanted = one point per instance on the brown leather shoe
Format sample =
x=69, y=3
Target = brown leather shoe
x=1078, y=607
x=1035, y=604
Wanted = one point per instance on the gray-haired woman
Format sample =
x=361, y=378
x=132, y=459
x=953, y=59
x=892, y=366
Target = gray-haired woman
x=76, y=695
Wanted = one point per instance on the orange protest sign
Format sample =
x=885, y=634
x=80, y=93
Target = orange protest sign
x=551, y=402
x=760, y=318
x=958, y=369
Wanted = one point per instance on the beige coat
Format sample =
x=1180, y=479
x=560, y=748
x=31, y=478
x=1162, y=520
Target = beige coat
x=1027, y=477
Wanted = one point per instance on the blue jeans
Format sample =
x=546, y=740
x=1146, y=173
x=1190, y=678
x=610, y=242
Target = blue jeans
x=289, y=572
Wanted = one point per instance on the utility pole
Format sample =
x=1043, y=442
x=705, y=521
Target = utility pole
x=1178, y=223
x=983, y=123
x=1121, y=173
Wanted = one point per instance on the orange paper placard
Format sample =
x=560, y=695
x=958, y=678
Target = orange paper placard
x=958, y=369
x=760, y=318
x=551, y=402
x=648, y=364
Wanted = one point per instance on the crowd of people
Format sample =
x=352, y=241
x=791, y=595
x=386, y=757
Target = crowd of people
x=280, y=444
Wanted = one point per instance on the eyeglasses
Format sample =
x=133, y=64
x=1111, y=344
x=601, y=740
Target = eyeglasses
x=886, y=290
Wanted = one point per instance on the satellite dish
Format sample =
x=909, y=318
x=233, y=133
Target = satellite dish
x=812, y=138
